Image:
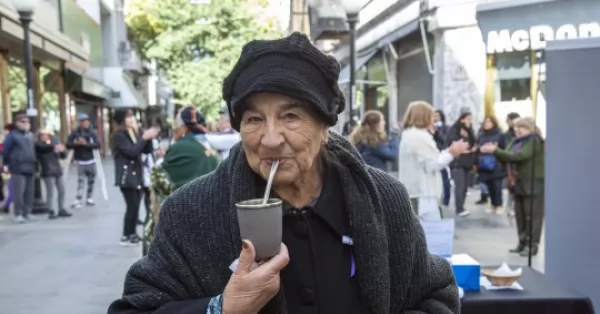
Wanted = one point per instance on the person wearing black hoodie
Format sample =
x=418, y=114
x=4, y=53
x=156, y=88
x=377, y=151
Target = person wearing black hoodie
x=461, y=167
x=83, y=140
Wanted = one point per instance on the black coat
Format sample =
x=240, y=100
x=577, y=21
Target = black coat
x=83, y=152
x=49, y=160
x=465, y=161
x=128, y=159
x=198, y=237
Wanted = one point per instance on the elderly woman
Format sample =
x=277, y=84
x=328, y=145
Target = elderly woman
x=525, y=158
x=372, y=142
x=352, y=244
x=421, y=162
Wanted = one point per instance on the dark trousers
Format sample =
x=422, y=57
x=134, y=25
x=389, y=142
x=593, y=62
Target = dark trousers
x=446, y=184
x=23, y=188
x=147, y=202
x=529, y=207
x=495, y=191
x=461, y=184
x=132, y=197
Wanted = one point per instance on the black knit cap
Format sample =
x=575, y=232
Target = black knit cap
x=290, y=66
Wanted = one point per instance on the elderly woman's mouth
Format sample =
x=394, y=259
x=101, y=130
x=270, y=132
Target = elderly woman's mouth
x=270, y=161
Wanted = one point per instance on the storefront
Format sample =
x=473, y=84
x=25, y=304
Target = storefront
x=50, y=51
x=392, y=63
x=515, y=36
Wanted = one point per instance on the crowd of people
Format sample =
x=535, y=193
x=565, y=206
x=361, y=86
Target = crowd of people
x=26, y=155
x=433, y=156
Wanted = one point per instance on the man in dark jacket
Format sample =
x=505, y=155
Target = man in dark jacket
x=20, y=161
x=510, y=133
x=83, y=140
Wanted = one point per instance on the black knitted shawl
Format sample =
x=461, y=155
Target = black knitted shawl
x=197, y=238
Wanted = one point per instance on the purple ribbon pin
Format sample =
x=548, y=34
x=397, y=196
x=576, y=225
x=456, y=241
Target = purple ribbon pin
x=346, y=240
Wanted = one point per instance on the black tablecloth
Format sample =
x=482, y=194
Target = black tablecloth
x=540, y=296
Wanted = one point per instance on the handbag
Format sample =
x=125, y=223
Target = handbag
x=487, y=162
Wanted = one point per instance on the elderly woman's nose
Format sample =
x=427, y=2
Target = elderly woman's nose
x=272, y=136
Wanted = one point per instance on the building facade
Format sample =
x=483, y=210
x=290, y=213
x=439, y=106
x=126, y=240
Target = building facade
x=52, y=52
x=483, y=55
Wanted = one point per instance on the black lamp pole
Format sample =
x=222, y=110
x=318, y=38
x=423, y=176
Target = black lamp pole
x=352, y=20
x=39, y=206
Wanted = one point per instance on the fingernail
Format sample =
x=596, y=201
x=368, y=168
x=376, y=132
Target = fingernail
x=245, y=245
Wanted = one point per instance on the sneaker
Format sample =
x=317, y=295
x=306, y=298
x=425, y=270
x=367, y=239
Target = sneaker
x=64, y=213
x=20, y=220
x=489, y=210
x=76, y=204
x=134, y=239
x=52, y=216
x=124, y=241
x=464, y=213
x=90, y=202
x=4, y=210
x=500, y=210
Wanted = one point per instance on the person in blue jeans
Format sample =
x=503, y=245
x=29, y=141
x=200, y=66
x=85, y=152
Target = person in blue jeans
x=372, y=142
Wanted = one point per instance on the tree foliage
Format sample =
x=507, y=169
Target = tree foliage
x=197, y=45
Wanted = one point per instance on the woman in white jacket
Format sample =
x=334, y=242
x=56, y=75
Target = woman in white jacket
x=420, y=161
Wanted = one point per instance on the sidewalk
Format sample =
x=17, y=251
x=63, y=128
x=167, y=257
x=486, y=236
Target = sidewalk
x=67, y=266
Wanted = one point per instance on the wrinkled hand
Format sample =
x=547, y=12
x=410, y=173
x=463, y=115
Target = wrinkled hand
x=458, y=147
x=249, y=288
x=150, y=133
x=489, y=148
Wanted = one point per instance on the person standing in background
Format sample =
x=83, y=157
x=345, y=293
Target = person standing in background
x=372, y=142
x=128, y=147
x=20, y=161
x=462, y=166
x=51, y=172
x=5, y=208
x=226, y=136
x=83, y=140
x=440, y=134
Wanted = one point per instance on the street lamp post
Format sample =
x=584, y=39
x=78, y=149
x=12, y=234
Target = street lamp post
x=352, y=8
x=26, y=9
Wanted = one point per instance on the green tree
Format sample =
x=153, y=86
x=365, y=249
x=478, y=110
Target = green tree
x=197, y=45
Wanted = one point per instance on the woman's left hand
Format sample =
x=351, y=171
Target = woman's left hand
x=489, y=148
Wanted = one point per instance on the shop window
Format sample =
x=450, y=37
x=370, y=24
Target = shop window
x=515, y=89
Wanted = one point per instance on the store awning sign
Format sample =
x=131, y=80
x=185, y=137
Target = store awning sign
x=535, y=37
x=521, y=25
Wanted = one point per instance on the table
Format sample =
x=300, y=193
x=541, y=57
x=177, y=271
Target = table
x=541, y=295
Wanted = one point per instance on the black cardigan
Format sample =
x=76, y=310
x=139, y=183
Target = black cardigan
x=198, y=237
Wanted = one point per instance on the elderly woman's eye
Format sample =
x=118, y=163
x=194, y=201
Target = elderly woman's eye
x=290, y=117
x=253, y=120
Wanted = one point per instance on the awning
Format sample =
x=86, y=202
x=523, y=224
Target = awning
x=361, y=60
x=79, y=82
x=126, y=95
x=398, y=34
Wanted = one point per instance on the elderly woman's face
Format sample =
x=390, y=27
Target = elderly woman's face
x=279, y=127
